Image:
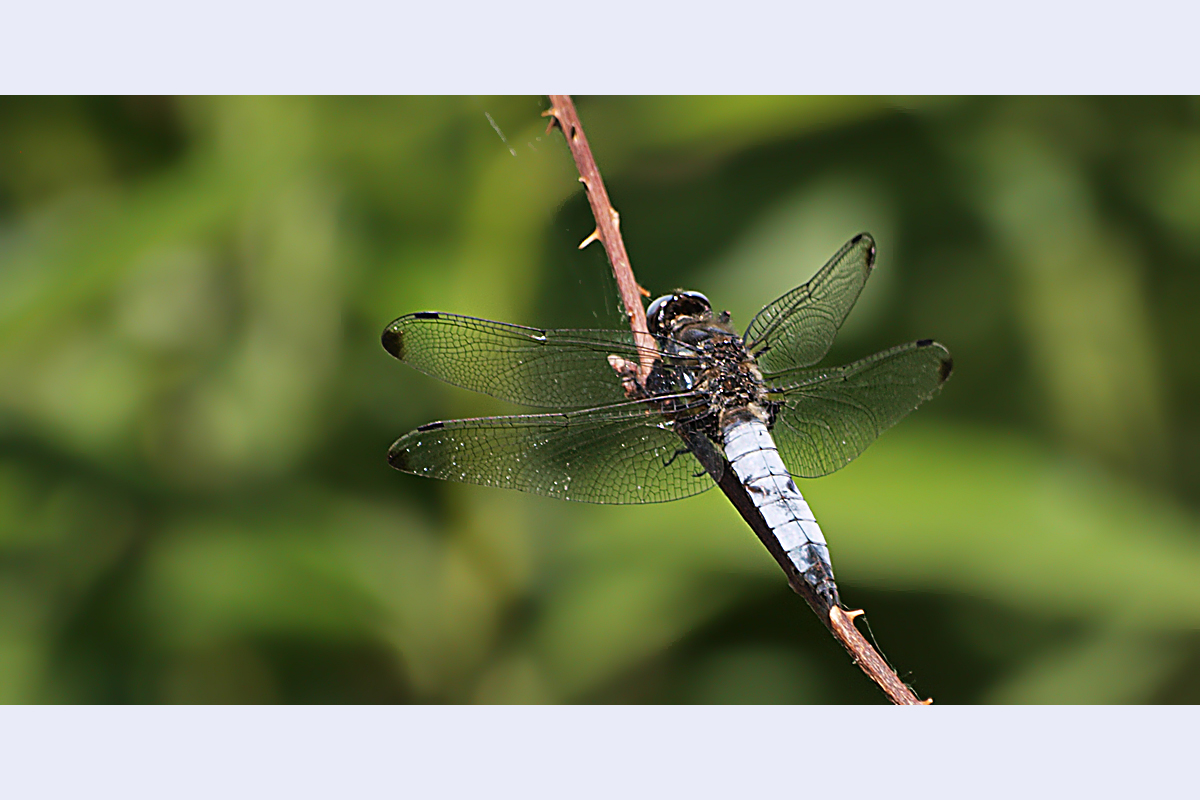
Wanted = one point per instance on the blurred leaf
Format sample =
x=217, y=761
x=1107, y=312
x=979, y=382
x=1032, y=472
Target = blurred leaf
x=710, y=124
x=1114, y=667
x=755, y=676
x=1083, y=306
x=598, y=628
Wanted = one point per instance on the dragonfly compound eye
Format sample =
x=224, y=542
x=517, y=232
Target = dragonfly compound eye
x=668, y=307
x=654, y=313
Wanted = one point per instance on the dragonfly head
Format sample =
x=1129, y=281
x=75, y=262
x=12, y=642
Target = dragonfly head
x=669, y=312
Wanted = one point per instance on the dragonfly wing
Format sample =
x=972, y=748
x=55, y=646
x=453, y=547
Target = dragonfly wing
x=541, y=368
x=619, y=454
x=829, y=416
x=797, y=329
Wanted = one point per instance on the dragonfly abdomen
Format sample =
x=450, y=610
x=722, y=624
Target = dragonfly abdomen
x=752, y=454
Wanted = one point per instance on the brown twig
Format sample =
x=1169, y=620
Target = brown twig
x=869, y=660
x=608, y=225
x=562, y=113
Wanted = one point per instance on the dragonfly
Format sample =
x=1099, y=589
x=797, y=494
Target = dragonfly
x=747, y=413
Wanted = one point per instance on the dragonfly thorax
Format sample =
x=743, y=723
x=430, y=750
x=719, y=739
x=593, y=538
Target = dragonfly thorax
x=733, y=380
x=723, y=371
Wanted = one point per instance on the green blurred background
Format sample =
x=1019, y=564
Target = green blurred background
x=195, y=407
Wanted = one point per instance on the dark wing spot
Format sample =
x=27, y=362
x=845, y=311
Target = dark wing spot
x=431, y=426
x=393, y=342
x=426, y=315
x=924, y=342
x=947, y=368
x=871, y=253
x=398, y=457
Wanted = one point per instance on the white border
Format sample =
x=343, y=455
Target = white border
x=594, y=46
x=597, y=752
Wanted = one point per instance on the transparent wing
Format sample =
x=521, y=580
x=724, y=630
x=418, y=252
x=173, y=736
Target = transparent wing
x=829, y=416
x=797, y=329
x=540, y=368
x=619, y=454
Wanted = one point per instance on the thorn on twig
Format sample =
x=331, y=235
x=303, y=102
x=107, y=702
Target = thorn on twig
x=593, y=237
x=643, y=290
x=867, y=658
